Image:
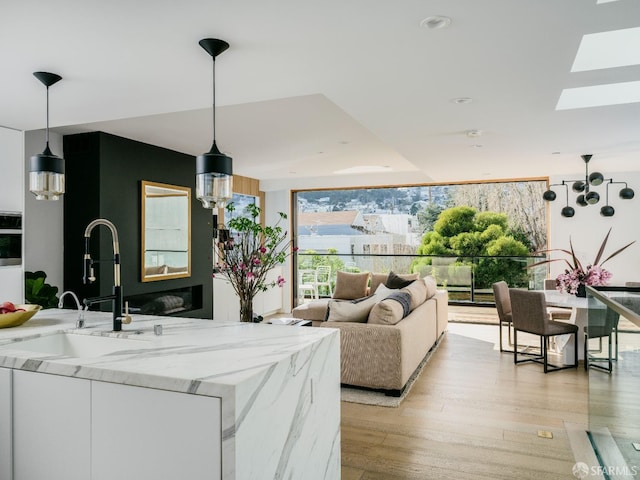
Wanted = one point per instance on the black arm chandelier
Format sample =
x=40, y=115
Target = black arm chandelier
x=587, y=196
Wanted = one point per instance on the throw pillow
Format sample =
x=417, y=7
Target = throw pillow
x=432, y=286
x=350, y=286
x=383, y=292
x=350, y=311
x=391, y=310
x=417, y=290
x=400, y=281
x=377, y=279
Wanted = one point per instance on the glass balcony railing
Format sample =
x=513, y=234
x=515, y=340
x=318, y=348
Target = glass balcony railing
x=614, y=407
x=467, y=279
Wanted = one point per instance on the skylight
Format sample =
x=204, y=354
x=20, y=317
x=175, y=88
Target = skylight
x=599, y=95
x=617, y=48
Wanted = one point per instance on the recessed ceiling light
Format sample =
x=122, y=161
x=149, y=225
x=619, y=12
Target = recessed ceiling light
x=477, y=145
x=555, y=153
x=462, y=100
x=435, y=22
x=473, y=133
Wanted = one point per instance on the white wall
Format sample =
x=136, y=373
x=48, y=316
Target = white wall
x=11, y=200
x=587, y=228
x=276, y=202
x=43, y=220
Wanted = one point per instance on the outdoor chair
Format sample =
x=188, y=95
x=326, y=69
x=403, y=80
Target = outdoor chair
x=307, y=280
x=323, y=279
x=529, y=315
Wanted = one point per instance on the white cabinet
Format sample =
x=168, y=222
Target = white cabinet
x=140, y=433
x=12, y=167
x=226, y=305
x=67, y=428
x=5, y=424
x=51, y=427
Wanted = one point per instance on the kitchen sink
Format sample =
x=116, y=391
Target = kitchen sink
x=76, y=345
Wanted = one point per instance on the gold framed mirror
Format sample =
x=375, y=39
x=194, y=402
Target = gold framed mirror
x=166, y=231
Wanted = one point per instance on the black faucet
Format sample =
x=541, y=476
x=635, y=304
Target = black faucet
x=89, y=276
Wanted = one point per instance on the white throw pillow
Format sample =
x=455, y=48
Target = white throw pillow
x=351, y=311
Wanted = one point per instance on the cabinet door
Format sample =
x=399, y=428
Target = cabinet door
x=139, y=433
x=12, y=166
x=51, y=427
x=5, y=424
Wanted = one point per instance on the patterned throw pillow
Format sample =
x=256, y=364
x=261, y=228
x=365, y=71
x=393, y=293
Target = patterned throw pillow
x=391, y=310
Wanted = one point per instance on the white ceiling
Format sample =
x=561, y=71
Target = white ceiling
x=309, y=88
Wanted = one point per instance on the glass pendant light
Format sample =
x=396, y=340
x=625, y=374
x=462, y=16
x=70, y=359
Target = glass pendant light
x=46, y=170
x=214, y=172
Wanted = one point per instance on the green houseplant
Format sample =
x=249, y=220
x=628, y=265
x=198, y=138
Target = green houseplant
x=38, y=292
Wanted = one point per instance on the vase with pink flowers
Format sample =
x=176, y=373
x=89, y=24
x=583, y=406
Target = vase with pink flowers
x=577, y=276
x=247, y=253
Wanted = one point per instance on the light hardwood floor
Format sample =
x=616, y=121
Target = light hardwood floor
x=472, y=414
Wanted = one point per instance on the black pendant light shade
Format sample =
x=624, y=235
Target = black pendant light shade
x=46, y=170
x=214, y=169
x=587, y=196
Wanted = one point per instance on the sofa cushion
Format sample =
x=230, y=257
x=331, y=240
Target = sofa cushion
x=377, y=279
x=350, y=310
x=432, y=286
x=400, y=281
x=418, y=293
x=391, y=310
x=350, y=286
x=315, y=310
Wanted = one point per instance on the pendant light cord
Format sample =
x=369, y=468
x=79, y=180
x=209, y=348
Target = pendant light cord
x=47, y=130
x=214, y=99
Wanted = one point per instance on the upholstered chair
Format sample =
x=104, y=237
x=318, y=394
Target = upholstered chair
x=529, y=315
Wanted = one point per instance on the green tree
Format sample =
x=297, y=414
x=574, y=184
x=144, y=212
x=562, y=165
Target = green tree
x=462, y=233
x=453, y=221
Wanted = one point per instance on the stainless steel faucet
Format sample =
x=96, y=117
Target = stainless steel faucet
x=80, y=320
x=89, y=276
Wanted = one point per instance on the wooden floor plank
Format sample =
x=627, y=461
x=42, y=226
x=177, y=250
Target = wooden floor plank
x=471, y=414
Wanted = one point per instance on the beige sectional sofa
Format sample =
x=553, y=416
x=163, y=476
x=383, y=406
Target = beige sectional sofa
x=377, y=353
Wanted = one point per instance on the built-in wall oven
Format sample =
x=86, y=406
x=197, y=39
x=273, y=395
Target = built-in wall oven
x=10, y=238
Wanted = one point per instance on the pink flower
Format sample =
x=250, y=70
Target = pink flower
x=280, y=281
x=263, y=250
x=295, y=249
x=256, y=261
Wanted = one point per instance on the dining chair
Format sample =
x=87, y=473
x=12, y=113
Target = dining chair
x=529, y=315
x=503, y=306
x=602, y=323
x=323, y=278
x=556, y=313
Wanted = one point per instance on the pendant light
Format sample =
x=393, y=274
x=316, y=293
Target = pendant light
x=587, y=196
x=46, y=170
x=214, y=173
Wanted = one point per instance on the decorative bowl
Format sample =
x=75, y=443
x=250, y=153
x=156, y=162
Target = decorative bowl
x=18, y=318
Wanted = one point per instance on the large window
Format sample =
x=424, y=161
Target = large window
x=462, y=234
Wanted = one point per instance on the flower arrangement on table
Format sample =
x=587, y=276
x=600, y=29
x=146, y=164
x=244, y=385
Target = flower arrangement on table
x=247, y=252
x=576, y=277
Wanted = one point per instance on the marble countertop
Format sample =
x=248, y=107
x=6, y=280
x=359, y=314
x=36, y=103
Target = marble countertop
x=196, y=356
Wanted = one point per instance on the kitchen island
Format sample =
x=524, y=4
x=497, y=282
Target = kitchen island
x=205, y=399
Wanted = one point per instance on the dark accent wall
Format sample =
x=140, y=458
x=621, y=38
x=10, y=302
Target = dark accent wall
x=103, y=174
